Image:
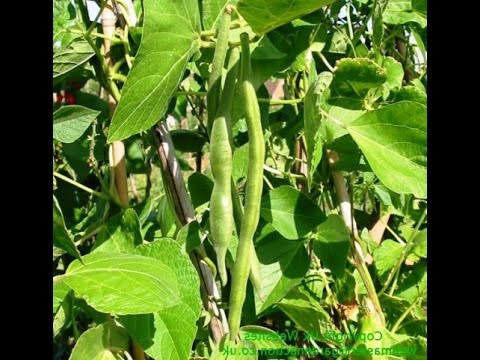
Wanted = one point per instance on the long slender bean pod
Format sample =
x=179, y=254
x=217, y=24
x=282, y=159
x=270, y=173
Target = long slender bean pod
x=254, y=275
x=253, y=192
x=221, y=211
x=215, y=79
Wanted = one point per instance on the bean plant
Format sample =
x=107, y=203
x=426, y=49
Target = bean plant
x=239, y=179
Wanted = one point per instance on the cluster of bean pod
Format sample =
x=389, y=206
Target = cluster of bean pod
x=226, y=210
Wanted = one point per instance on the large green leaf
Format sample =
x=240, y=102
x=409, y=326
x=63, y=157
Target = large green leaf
x=121, y=233
x=169, y=333
x=98, y=343
x=170, y=37
x=70, y=122
x=123, y=284
x=61, y=237
x=71, y=57
x=332, y=243
x=283, y=264
x=402, y=11
x=291, y=212
x=263, y=15
x=394, y=141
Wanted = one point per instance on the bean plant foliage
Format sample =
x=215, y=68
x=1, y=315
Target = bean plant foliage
x=164, y=112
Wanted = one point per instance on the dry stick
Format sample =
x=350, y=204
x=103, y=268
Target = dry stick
x=184, y=210
x=377, y=231
x=118, y=148
x=347, y=215
x=119, y=165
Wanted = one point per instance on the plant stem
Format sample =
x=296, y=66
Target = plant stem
x=349, y=21
x=347, y=215
x=81, y=186
x=404, y=315
x=394, y=284
x=87, y=236
x=119, y=163
x=280, y=101
x=406, y=250
x=119, y=77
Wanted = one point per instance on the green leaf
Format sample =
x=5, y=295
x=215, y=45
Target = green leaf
x=166, y=218
x=309, y=316
x=159, y=65
x=283, y=264
x=123, y=284
x=410, y=93
x=188, y=140
x=70, y=122
x=266, y=50
x=189, y=236
x=62, y=316
x=354, y=77
x=402, y=11
x=368, y=326
x=291, y=212
x=60, y=290
x=290, y=40
x=61, y=237
x=413, y=283
x=266, y=339
x=240, y=162
x=71, y=57
x=63, y=14
x=212, y=10
x=134, y=156
x=98, y=343
x=120, y=235
x=264, y=16
x=394, y=141
x=332, y=244
x=420, y=248
x=345, y=289
x=386, y=256
x=144, y=209
x=200, y=187
x=312, y=118
x=169, y=333
x=394, y=72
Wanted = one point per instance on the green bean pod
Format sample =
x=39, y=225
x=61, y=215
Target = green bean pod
x=215, y=79
x=254, y=275
x=253, y=193
x=221, y=212
x=221, y=209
